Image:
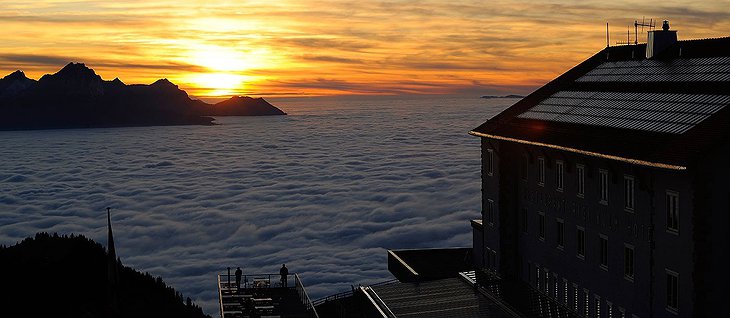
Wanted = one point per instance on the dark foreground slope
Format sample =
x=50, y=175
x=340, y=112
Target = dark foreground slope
x=60, y=276
x=76, y=97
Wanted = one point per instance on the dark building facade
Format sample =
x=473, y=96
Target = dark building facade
x=607, y=189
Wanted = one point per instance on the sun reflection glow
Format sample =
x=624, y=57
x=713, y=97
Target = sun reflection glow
x=220, y=84
x=227, y=67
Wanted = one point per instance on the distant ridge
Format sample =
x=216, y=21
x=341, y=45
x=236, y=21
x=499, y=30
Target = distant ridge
x=77, y=97
x=504, y=96
x=244, y=106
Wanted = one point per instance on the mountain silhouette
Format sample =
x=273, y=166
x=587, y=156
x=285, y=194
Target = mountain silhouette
x=77, y=97
x=244, y=106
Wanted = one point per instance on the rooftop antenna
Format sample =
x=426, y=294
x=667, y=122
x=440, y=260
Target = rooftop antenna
x=651, y=25
x=628, y=37
x=608, y=43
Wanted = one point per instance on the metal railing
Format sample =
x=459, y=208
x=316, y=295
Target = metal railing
x=348, y=293
x=304, y=297
x=254, y=280
x=220, y=295
x=334, y=297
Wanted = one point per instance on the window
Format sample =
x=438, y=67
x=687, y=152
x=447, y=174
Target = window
x=560, y=233
x=541, y=225
x=575, y=298
x=672, y=291
x=537, y=267
x=597, y=304
x=556, y=285
x=490, y=212
x=559, y=170
x=524, y=220
x=603, y=185
x=565, y=292
x=622, y=312
x=490, y=162
x=547, y=282
x=629, y=193
x=603, y=245
x=673, y=212
x=586, y=298
x=580, y=171
x=581, y=242
x=629, y=262
x=541, y=171
x=524, y=167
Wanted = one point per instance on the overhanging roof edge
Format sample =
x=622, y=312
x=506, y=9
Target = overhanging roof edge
x=584, y=152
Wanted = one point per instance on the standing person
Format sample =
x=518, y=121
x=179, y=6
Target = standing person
x=283, y=272
x=239, y=272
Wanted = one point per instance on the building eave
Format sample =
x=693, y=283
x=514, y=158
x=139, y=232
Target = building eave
x=584, y=152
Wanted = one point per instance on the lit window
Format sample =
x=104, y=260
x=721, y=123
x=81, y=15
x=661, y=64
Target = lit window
x=672, y=291
x=598, y=306
x=575, y=298
x=538, y=276
x=629, y=192
x=565, y=291
x=556, y=285
x=581, y=242
x=559, y=171
x=541, y=225
x=604, y=251
x=490, y=211
x=490, y=162
x=587, y=295
x=547, y=282
x=560, y=233
x=541, y=171
x=673, y=212
x=603, y=185
x=580, y=172
x=629, y=262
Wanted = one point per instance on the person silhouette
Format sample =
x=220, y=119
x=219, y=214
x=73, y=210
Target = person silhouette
x=283, y=272
x=238, y=277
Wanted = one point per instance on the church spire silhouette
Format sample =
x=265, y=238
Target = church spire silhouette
x=113, y=274
x=112, y=268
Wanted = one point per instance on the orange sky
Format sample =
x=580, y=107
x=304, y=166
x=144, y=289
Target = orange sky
x=317, y=47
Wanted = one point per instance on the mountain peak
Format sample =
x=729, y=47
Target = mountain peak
x=17, y=75
x=163, y=82
x=245, y=106
x=76, y=70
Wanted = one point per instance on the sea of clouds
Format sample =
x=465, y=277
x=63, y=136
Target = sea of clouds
x=325, y=190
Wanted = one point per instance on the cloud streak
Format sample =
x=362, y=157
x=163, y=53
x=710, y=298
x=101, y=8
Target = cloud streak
x=508, y=43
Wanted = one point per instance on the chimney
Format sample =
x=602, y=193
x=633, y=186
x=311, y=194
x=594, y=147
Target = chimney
x=657, y=41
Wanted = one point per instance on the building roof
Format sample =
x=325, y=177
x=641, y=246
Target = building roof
x=447, y=298
x=428, y=264
x=662, y=112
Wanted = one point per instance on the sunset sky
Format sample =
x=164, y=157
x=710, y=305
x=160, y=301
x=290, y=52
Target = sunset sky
x=316, y=47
